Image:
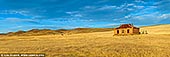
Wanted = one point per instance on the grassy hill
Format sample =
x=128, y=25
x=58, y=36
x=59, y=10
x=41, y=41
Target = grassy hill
x=38, y=32
x=157, y=29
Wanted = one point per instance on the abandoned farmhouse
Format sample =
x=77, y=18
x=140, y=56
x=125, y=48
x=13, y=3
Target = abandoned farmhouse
x=126, y=29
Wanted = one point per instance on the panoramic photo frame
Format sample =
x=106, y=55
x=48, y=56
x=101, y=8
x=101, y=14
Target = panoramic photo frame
x=84, y=28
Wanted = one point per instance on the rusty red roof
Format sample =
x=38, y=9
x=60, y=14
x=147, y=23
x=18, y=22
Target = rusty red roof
x=126, y=26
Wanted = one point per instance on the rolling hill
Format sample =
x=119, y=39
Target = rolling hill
x=38, y=32
x=157, y=29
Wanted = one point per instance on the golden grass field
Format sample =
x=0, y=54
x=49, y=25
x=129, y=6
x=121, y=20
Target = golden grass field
x=96, y=44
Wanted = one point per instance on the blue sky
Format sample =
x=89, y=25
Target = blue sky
x=67, y=14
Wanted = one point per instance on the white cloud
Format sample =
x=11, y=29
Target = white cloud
x=128, y=16
x=37, y=17
x=130, y=9
x=165, y=16
x=150, y=18
x=22, y=12
x=130, y=4
x=101, y=1
x=89, y=7
x=90, y=20
x=107, y=7
x=139, y=7
x=121, y=6
x=161, y=2
x=78, y=15
x=140, y=1
x=19, y=20
x=69, y=12
x=147, y=10
x=72, y=12
x=75, y=14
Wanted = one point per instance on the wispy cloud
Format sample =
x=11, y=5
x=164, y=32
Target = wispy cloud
x=21, y=12
x=106, y=7
x=16, y=20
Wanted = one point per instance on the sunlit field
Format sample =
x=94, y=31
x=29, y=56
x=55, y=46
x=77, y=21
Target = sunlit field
x=94, y=44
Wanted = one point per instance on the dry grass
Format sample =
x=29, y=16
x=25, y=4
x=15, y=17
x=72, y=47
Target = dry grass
x=159, y=29
x=97, y=44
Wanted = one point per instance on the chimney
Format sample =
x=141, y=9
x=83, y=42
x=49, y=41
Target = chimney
x=132, y=24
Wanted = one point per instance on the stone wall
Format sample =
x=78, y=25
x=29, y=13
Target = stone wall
x=123, y=31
